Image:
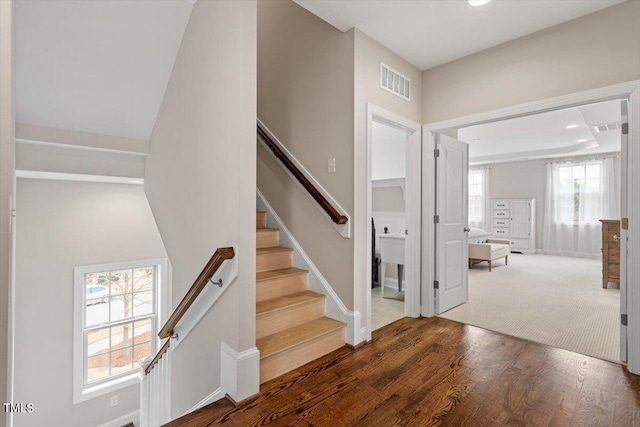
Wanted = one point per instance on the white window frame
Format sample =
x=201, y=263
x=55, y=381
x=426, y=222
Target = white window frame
x=82, y=392
x=482, y=196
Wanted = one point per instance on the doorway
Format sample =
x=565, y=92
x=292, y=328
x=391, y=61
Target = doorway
x=541, y=189
x=450, y=127
x=393, y=217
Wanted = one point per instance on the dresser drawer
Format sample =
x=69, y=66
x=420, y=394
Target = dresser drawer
x=501, y=223
x=500, y=232
x=500, y=205
x=501, y=213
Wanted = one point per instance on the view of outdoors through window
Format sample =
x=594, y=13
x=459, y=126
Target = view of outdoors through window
x=118, y=321
x=582, y=186
x=476, y=185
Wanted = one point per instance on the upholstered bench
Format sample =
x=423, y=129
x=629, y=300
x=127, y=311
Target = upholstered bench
x=489, y=251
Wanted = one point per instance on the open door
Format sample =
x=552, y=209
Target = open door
x=624, y=233
x=452, y=167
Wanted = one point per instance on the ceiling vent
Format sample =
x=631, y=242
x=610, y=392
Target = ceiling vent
x=606, y=127
x=394, y=82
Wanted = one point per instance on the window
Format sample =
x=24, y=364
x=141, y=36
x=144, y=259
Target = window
x=577, y=195
x=579, y=192
x=479, y=199
x=116, y=320
x=476, y=196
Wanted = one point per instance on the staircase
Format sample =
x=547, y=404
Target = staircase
x=291, y=326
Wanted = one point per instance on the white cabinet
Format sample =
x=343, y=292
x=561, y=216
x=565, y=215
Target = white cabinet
x=514, y=219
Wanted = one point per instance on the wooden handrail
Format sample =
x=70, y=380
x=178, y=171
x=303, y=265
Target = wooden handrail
x=291, y=167
x=209, y=270
x=157, y=358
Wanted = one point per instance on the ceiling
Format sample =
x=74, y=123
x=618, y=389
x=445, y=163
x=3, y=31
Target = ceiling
x=434, y=32
x=545, y=135
x=98, y=66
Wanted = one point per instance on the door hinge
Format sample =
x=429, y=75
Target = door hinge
x=623, y=319
x=436, y=152
x=436, y=285
x=624, y=223
x=625, y=128
x=436, y=219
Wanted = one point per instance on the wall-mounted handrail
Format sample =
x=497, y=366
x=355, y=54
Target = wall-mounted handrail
x=157, y=357
x=302, y=179
x=220, y=255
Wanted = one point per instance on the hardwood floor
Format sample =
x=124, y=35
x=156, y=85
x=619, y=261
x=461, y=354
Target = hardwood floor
x=428, y=372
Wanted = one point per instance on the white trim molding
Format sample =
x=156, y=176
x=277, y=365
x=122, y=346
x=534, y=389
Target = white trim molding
x=343, y=229
x=628, y=90
x=239, y=372
x=62, y=176
x=214, y=396
x=335, y=308
x=411, y=192
x=131, y=417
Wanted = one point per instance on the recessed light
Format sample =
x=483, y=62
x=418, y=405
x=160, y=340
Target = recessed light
x=478, y=2
x=571, y=126
x=477, y=140
x=581, y=140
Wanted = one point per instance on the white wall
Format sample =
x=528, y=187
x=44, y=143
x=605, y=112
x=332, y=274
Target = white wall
x=200, y=181
x=7, y=181
x=388, y=152
x=305, y=97
x=62, y=225
x=593, y=51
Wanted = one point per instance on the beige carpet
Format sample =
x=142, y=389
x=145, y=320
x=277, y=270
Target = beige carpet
x=552, y=300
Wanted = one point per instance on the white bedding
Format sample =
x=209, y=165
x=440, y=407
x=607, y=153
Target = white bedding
x=477, y=235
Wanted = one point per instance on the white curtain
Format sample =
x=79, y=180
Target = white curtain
x=577, y=196
x=479, y=199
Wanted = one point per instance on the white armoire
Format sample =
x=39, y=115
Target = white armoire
x=515, y=220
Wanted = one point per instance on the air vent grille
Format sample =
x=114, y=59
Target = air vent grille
x=394, y=82
x=607, y=127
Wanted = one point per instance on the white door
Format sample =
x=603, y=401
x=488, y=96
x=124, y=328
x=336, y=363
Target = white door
x=452, y=166
x=520, y=218
x=624, y=235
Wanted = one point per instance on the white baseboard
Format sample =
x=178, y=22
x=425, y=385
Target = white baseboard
x=567, y=254
x=213, y=397
x=239, y=372
x=131, y=417
x=335, y=308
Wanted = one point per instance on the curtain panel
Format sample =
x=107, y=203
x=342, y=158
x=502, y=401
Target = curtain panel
x=479, y=199
x=577, y=196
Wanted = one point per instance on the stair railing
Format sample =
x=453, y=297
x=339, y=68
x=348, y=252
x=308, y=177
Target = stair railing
x=324, y=201
x=155, y=387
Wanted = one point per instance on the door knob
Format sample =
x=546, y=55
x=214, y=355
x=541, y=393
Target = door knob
x=467, y=229
x=616, y=238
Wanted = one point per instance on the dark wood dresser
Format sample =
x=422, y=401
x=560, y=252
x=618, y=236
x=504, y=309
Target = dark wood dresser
x=610, y=251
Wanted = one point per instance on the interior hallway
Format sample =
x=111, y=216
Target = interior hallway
x=439, y=372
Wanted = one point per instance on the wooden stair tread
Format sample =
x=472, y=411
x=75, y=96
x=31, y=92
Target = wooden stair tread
x=266, y=229
x=272, y=249
x=286, y=301
x=281, y=272
x=280, y=341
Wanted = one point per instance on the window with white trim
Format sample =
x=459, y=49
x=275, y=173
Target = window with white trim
x=579, y=198
x=115, y=322
x=476, y=196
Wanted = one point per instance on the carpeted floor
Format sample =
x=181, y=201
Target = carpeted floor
x=548, y=299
